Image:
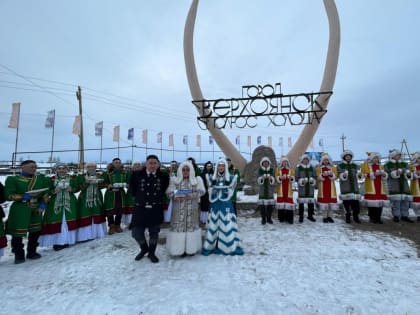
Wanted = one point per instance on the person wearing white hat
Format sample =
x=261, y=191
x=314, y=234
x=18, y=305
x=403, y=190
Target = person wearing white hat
x=375, y=197
x=398, y=190
x=415, y=184
x=185, y=190
x=326, y=174
x=285, y=176
x=222, y=235
x=305, y=177
x=266, y=183
x=59, y=224
x=349, y=174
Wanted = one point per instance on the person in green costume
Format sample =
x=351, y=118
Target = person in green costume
x=59, y=224
x=29, y=193
x=90, y=205
x=115, y=180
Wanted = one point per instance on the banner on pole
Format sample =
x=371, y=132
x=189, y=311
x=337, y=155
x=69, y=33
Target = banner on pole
x=259, y=140
x=144, y=136
x=171, y=140
x=270, y=141
x=249, y=141
x=130, y=135
x=14, y=118
x=99, y=126
x=211, y=140
x=185, y=140
x=159, y=137
x=289, y=142
x=50, y=121
x=238, y=140
x=116, y=137
x=198, y=144
x=77, y=125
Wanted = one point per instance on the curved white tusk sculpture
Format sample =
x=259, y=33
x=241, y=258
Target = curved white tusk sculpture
x=327, y=84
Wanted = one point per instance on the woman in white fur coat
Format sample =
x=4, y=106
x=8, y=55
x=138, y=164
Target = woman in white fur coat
x=185, y=190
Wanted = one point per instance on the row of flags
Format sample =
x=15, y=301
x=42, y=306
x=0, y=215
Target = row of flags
x=99, y=126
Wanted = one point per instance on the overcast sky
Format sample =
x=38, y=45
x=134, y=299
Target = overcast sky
x=128, y=58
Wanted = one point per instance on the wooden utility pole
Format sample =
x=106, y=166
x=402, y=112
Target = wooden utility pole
x=81, y=145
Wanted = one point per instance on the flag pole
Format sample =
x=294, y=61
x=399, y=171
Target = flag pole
x=100, y=152
x=16, y=143
x=132, y=150
x=52, y=141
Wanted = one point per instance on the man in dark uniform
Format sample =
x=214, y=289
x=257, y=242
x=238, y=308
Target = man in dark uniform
x=148, y=187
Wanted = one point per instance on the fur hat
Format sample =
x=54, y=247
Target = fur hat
x=227, y=174
x=347, y=152
x=414, y=157
x=179, y=175
x=284, y=158
x=393, y=153
x=304, y=156
x=325, y=156
x=372, y=155
x=265, y=158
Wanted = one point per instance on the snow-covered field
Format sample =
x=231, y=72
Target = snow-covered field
x=309, y=268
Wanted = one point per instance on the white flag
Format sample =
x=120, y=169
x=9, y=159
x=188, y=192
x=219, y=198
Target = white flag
x=159, y=137
x=77, y=125
x=14, y=118
x=116, y=137
x=144, y=136
x=171, y=140
x=198, y=141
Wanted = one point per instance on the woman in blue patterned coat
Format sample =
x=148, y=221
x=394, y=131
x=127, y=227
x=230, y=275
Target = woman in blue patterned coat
x=222, y=229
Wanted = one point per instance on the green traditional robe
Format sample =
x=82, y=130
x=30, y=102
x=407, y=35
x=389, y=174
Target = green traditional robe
x=113, y=195
x=61, y=201
x=24, y=216
x=90, y=205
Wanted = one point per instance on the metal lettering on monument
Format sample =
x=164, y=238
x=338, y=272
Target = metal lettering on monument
x=261, y=102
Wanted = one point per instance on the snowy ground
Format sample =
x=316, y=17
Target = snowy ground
x=309, y=268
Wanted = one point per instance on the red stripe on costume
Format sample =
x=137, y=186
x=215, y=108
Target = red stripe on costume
x=3, y=241
x=55, y=228
x=130, y=210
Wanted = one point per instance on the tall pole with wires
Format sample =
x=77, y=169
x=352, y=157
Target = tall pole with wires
x=81, y=145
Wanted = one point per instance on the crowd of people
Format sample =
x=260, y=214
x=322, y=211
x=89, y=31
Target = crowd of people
x=65, y=209
x=371, y=184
